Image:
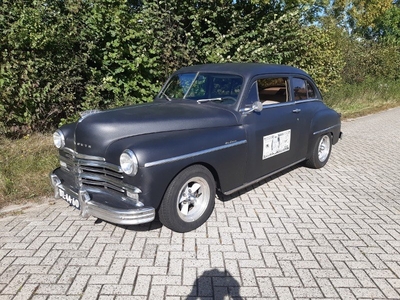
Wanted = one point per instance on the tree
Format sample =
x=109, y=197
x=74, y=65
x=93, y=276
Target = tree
x=387, y=26
x=358, y=15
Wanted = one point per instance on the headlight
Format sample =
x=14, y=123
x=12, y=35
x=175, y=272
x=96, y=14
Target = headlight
x=59, y=139
x=128, y=162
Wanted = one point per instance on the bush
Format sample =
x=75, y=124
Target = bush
x=371, y=95
x=367, y=59
x=42, y=72
x=62, y=57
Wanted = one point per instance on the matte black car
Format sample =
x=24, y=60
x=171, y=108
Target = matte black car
x=213, y=127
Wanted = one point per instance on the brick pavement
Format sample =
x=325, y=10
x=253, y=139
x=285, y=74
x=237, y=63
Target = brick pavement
x=332, y=233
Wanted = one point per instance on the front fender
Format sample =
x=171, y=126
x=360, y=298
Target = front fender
x=162, y=156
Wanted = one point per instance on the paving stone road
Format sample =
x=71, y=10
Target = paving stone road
x=332, y=233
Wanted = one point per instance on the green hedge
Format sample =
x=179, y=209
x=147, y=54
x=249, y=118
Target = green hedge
x=62, y=57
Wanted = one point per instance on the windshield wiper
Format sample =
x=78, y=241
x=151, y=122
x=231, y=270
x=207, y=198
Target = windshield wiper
x=208, y=100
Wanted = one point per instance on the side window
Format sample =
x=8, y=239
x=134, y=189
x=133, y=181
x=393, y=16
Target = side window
x=299, y=89
x=310, y=90
x=302, y=89
x=272, y=90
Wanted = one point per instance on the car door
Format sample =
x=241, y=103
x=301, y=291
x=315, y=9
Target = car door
x=307, y=101
x=273, y=134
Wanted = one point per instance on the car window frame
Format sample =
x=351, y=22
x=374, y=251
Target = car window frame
x=239, y=96
x=317, y=96
x=254, y=80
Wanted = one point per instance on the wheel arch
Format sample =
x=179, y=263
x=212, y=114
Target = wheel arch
x=183, y=208
x=326, y=121
x=314, y=138
x=206, y=165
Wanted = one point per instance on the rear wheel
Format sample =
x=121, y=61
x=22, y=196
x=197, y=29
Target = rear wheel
x=189, y=199
x=321, y=152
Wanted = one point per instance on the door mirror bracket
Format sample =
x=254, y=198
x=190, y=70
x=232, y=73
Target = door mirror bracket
x=256, y=106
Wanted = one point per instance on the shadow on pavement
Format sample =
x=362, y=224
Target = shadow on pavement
x=257, y=184
x=154, y=225
x=215, y=284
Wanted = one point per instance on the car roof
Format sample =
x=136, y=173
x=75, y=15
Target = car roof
x=246, y=70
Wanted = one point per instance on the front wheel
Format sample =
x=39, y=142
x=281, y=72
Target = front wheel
x=321, y=152
x=189, y=199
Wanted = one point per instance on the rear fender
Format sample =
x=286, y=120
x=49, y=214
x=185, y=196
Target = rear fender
x=326, y=121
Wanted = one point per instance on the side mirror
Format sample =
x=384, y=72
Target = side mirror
x=257, y=106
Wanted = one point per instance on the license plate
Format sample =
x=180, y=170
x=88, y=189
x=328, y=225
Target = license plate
x=70, y=199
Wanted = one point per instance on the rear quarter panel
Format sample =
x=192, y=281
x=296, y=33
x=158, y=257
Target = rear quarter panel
x=325, y=120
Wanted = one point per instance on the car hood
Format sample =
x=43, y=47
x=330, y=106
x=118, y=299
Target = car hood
x=95, y=132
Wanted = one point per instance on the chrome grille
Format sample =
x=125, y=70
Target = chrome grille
x=92, y=170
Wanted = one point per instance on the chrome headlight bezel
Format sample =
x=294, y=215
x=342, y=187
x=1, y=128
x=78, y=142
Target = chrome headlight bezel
x=128, y=162
x=58, y=139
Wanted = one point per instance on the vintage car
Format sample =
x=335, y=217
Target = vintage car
x=212, y=128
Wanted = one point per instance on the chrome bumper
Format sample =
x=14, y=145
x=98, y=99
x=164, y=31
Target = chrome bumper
x=88, y=207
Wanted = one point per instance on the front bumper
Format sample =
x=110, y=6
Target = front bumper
x=101, y=204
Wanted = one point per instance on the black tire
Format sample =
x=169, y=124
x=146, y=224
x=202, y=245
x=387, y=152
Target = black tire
x=321, y=152
x=189, y=199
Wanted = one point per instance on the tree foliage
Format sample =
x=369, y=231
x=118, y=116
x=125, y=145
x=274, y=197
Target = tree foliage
x=387, y=26
x=361, y=13
x=62, y=57
x=42, y=69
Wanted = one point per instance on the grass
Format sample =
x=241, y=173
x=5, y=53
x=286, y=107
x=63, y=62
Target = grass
x=26, y=163
x=358, y=100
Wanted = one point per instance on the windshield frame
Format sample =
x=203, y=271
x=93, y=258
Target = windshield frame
x=235, y=88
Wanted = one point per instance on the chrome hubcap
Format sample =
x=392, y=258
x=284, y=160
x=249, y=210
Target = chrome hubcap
x=193, y=199
x=323, y=148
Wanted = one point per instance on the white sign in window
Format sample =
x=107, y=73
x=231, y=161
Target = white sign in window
x=276, y=143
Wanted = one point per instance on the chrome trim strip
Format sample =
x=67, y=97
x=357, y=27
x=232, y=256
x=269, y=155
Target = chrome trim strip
x=103, y=172
x=69, y=151
x=287, y=103
x=307, y=100
x=105, y=165
x=99, y=180
x=89, y=157
x=247, y=110
x=94, y=189
x=88, y=160
x=326, y=129
x=83, y=156
x=261, y=178
x=280, y=104
x=189, y=155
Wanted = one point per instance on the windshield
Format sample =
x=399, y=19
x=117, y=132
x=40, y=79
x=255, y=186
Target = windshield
x=203, y=87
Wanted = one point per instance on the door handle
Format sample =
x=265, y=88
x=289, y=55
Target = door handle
x=296, y=111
